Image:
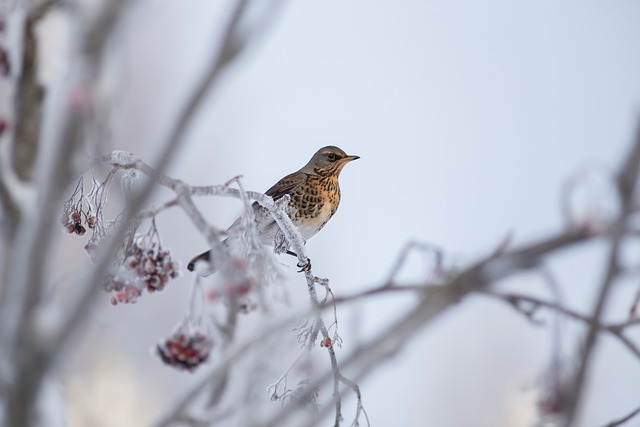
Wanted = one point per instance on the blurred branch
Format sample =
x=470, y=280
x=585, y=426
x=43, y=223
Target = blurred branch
x=533, y=304
x=29, y=96
x=22, y=299
x=627, y=178
x=624, y=419
x=227, y=50
x=224, y=56
x=438, y=255
x=435, y=299
x=500, y=264
x=17, y=167
x=34, y=354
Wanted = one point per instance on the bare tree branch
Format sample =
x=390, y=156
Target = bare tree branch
x=624, y=419
x=29, y=99
x=533, y=304
x=627, y=181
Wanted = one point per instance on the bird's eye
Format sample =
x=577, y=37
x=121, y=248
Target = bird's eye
x=332, y=157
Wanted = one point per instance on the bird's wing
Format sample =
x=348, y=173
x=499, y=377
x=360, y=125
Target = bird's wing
x=286, y=185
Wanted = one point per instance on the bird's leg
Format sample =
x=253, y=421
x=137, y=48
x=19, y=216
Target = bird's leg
x=306, y=266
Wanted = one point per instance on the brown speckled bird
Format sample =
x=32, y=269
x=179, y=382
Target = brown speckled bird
x=315, y=195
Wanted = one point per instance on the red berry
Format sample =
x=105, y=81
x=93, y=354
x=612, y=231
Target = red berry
x=91, y=222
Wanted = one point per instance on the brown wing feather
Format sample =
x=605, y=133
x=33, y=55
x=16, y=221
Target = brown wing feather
x=286, y=185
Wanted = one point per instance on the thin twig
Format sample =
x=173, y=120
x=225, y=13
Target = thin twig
x=515, y=300
x=624, y=419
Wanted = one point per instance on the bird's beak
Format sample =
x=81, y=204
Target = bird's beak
x=351, y=158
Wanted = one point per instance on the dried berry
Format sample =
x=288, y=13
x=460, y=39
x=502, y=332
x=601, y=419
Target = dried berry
x=146, y=267
x=80, y=230
x=129, y=296
x=185, y=351
x=91, y=222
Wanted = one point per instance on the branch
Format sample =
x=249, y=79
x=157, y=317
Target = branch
x=29, y=98
x=438, y=299
x=172, y=143
x=33, y=353
x=624, y=419
x=627, y=180
x=615, y=329
x=292, y=235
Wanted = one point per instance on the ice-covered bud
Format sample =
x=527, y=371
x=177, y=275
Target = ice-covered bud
x=129, y=181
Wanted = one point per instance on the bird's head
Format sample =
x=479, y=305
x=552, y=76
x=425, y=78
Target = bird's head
x=327, y=161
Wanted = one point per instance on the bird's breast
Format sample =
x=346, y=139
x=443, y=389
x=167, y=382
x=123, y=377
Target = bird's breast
x=314, y=204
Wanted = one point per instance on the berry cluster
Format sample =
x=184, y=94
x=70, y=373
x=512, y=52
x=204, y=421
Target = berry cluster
x=72, y=222
x=235, y=288
x=153, y=266
x=145, y=267
x=125, y=292
x=326, y=342
x=553, y=398
x=185, y=351
x=71, y=219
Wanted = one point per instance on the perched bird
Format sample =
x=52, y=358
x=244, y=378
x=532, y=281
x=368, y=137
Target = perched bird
x=314, y=197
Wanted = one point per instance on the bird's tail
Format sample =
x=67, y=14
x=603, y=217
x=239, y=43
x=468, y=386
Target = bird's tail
x=206, y=256
x=202, y=257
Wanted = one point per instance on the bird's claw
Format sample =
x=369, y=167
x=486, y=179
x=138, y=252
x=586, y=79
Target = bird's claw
x=306, y=266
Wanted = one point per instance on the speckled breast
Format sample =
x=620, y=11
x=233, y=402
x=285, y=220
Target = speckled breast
x=314, y=203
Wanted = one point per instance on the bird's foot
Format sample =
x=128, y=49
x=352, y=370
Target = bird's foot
x=304, y=266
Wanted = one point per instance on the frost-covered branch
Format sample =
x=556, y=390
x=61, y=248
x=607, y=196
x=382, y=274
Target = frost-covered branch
x=22, y=298
x=174, y=140
x=291, y=235
x=31, y=345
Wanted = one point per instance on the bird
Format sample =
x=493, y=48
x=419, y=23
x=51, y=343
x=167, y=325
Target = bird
x=314, y=194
